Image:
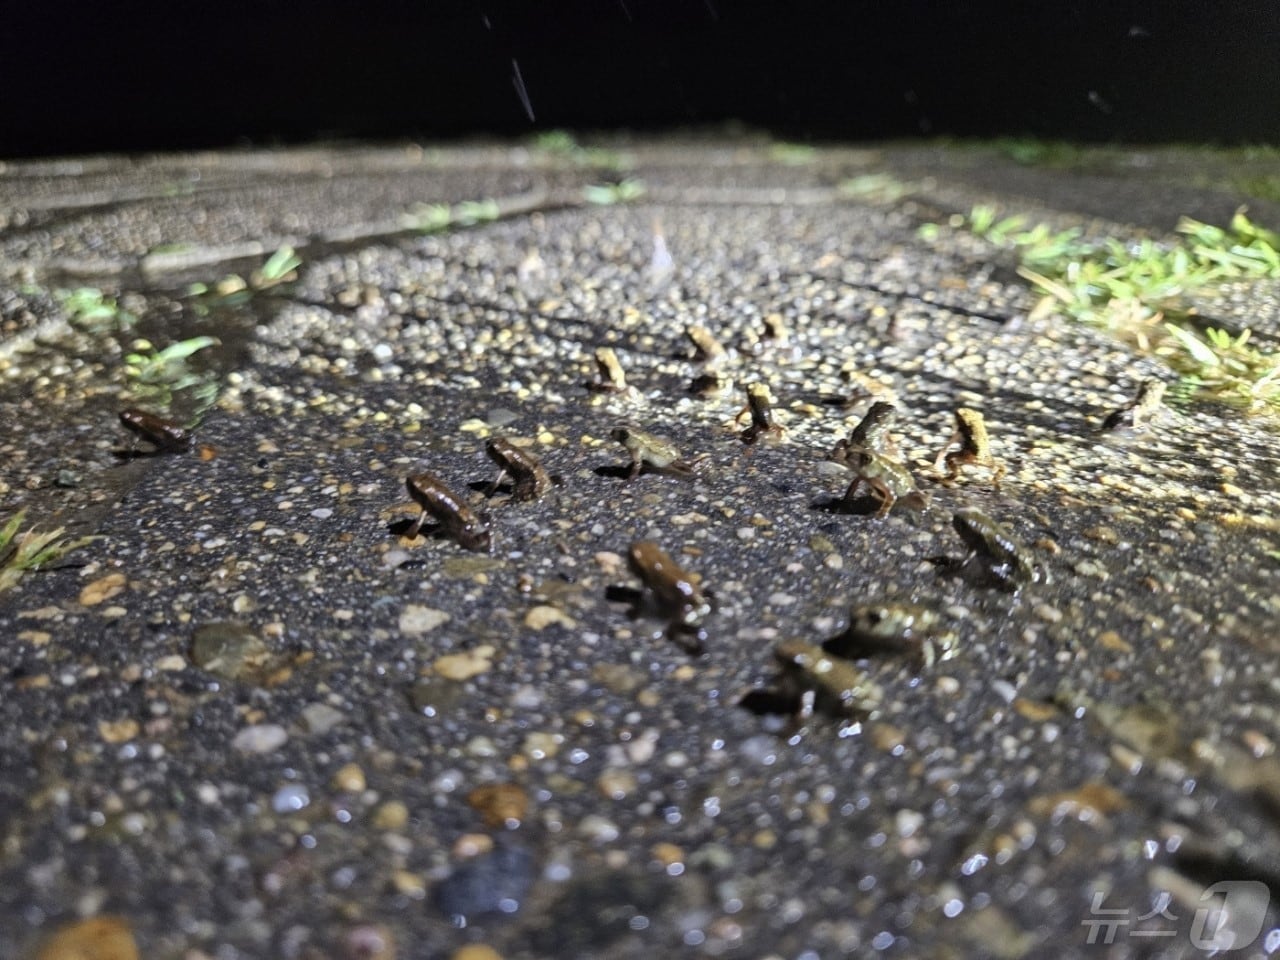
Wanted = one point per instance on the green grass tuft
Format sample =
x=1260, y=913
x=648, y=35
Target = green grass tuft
x=439, y=217
x=1262, y=186
x=876, y=188
x=234, y=290
x=430, y=217
x=792, y=154
x=608, y=194
x=90, y=308
x=1029, y=152
x=279, y=268
x=156, y=375
x=27, y=552
x=556, y=141
x=470, y=212
x=560, y=144
x=1138, y=289
x=150, y=365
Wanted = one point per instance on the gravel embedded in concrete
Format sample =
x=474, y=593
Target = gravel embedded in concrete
x=266, y=733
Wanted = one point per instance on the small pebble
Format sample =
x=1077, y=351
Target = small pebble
x=908, y=822
x=471, y=845
x=1047, y=613
x=542, y=746
x=667, y=854
x=118, y=731
x=1087, y=802
x=370, y=942
x=500, y=804
x=501, y=417
x=1258, y=743
x=641, y=749
x=416, y=619
x=228, y=649
x=476, y=951
x=349, y=779
x=391, y=815
x=260, y=738
x=289, y=798
x=400, y=845
x=612, y=564
x=1004, y=689
x=544, y=615
x=527, y=697
x=616, y=783
x=887, y=737
x=1034, y=711
x=764, y=839
x=104, y=588
x=465, y=665
x=1111, y=640
x=394, y=558
x=1090, y=568
x=98, y=938
x=408, y=883
x=320, y=718
x=598, y=829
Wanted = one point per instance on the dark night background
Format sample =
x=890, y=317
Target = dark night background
x=138, y=76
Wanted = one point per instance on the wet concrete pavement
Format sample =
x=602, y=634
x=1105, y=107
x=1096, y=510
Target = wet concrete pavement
x=252, y=719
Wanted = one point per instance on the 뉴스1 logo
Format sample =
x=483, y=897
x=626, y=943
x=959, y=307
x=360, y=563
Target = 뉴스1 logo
x=1229, y=916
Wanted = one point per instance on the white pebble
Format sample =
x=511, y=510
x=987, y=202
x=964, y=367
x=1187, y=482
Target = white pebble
x=260, y=738
x=321, y=718
x=641, y=749
x=526, y=697
x=416, y=619
x=908, y=822
x=290, y=797
x=599, y=829
x=1004, y=689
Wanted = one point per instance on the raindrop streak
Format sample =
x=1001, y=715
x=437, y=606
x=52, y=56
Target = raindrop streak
x=521, y=92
